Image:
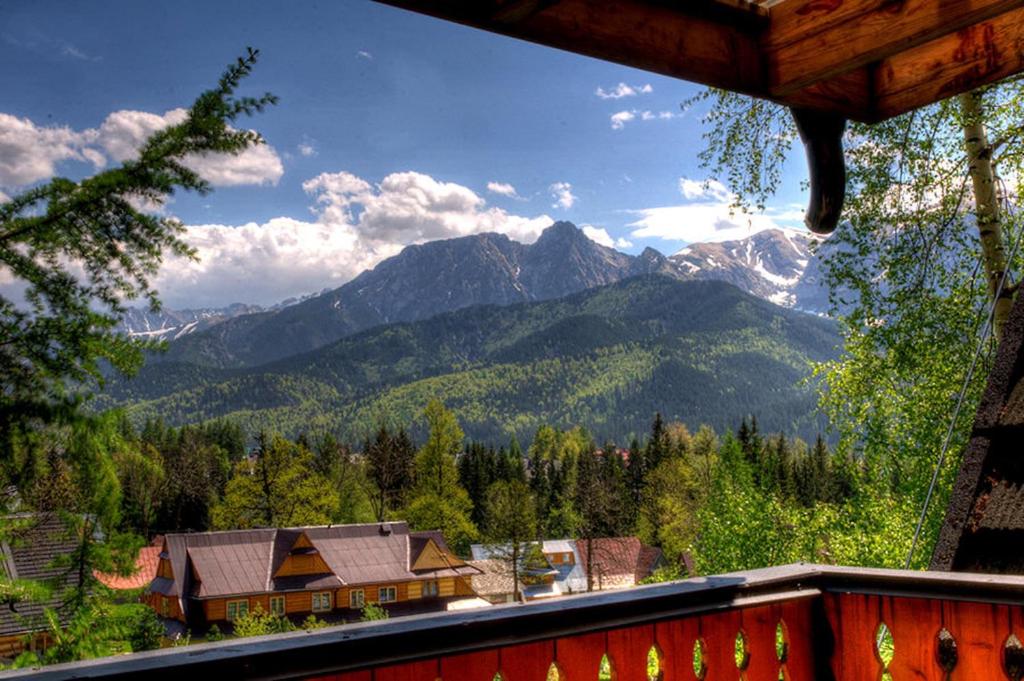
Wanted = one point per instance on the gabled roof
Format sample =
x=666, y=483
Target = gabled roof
x=217, y=564
x=619, y=557
x=231, y=562
x=30, y=552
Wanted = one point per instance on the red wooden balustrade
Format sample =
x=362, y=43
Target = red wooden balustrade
x=797, y=623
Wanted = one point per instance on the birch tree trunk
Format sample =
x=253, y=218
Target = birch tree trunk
x=983, y=180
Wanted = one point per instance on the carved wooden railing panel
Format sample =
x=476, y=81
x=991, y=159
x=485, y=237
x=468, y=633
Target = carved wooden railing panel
x=796, y=623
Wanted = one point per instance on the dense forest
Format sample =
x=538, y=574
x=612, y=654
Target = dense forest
x=732, y=500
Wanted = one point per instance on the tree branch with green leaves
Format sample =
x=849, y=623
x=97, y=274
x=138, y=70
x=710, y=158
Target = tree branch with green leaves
x=81, y=250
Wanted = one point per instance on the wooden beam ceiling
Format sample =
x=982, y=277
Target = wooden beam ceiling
x=865, y=59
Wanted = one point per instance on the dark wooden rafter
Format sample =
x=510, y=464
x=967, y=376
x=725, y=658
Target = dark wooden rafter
x=865, y=59
x=813, y=40
x=828, y=60
x=705, y=42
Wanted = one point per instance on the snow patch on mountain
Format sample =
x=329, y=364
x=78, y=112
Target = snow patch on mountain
x=778, y=265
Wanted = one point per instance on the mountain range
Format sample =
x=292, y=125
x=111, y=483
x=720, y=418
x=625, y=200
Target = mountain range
x=606, y=357
x=484, y=269
x=563, y=331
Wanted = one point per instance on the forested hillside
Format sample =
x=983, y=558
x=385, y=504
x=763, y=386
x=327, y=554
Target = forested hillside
x=606, y=358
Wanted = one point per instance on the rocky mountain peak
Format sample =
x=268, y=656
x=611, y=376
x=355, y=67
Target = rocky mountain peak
x=561, y=233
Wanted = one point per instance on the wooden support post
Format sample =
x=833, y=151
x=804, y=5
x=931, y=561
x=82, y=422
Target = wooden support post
x=822, y=135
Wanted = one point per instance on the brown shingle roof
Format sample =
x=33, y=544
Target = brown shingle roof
x=216, y=564
x=33, y=547
x=619, y=558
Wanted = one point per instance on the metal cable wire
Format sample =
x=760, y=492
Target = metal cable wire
x=961, y=396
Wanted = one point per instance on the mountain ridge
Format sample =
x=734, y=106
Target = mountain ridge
x=606, y=357
x=440, y=276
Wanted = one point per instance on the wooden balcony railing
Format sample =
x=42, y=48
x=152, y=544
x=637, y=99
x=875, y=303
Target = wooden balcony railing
x=797, y=622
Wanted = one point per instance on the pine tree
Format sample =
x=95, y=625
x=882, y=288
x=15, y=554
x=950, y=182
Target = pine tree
x=821, y=461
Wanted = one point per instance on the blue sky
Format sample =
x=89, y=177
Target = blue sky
x=393, y=128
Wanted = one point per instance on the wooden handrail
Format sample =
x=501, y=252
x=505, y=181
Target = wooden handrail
x=830, y=617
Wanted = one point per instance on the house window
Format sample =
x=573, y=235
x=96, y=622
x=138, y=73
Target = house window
x=277, y=605
x=321, y=601
x=356, y=598
x=165, y=606
x=388, y=594
x=430, y=589
x=237, y=609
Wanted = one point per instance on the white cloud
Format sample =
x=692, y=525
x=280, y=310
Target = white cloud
x=260, y=263
x=620, y=118
x=503, y=188
x=306, y=149
x=4, y=198
x=124, y=132
x=600, y=235
x=562, y=194
x=692, y=189
x=356, y=226
x=622, y=90
x=29, y=153
x=70, y=50
x=709, y=216
x=363, y=54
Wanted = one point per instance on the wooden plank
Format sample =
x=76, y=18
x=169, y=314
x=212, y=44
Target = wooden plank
x=758, y=625
x=426, y=670
x=480, y=666
x=980, y=630
x=659, y=37
x=799, y=637
x=960, y=62
x=813, y=40
x=854, y=619
x=628, y=649
x=579, y=657
x=719, y=634
x=849, y=94
x=915, y=627
x=526, y=662
x=676, y=639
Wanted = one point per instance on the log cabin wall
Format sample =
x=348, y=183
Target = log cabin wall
x=301, y=602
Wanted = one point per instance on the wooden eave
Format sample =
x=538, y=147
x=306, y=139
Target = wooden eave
x=866, y=60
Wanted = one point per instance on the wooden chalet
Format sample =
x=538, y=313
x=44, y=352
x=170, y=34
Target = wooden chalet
x=210, y=577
